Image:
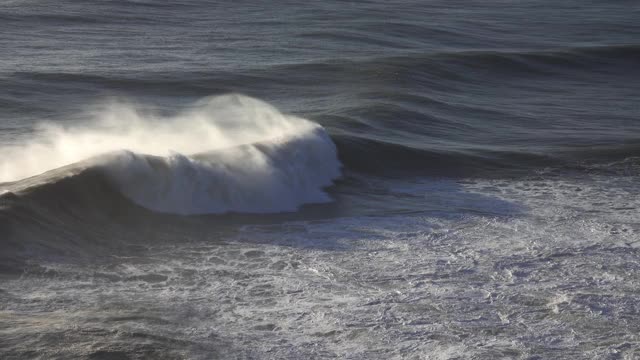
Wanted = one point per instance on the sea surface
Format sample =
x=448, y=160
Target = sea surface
x=315, y=180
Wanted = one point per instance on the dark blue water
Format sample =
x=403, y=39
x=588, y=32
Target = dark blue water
x=469, y=190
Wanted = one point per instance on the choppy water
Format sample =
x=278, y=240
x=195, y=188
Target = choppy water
x=364, y=179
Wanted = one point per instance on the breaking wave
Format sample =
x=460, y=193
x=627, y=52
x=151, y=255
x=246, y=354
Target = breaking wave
x=228, y=153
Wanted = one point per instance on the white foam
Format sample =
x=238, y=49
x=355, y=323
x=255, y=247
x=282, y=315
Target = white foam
x=229, y=153
x=274, y=176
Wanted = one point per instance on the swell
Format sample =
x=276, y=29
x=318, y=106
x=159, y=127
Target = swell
x=563, y=58
x=383, y=158
x=83, y=211
x=458, y=65
x=275, y=175
x=443, y=65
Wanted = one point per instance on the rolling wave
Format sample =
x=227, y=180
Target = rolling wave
x=443, y=65
x=235, y=154
x=229, y=154
x=455, y=65
x=265, y=177
x=366, y=155
x=131, y=172
x=114, y=200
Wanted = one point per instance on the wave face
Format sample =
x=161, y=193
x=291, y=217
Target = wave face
x=273, y=176
x=228, y=153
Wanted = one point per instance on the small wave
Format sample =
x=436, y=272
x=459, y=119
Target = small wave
x=371, y=156
x=385, y=158
x=458, y=65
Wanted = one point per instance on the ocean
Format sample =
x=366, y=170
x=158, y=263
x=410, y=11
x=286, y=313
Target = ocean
x=339, y=179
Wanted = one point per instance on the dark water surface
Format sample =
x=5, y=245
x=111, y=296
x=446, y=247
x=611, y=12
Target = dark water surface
x=465, y=184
